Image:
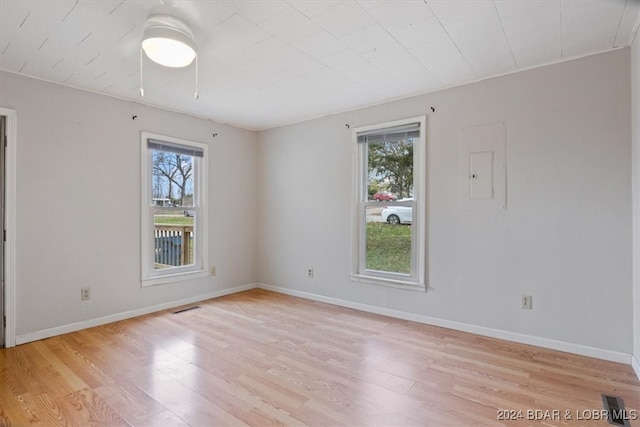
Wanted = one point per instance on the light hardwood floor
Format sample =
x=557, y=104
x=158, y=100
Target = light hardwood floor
x=261, y=358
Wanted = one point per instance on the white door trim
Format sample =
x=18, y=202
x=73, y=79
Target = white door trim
x=10, y=226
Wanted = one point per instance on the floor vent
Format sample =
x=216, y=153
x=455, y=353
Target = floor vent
x=187, y=309
x=616, y=414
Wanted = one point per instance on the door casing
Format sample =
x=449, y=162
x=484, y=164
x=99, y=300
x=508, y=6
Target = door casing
x=9, y=225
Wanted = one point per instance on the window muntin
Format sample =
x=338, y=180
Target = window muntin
x=173, y=237
x=389, y=231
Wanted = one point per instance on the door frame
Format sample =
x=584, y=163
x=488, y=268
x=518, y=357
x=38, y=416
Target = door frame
x=11, y=124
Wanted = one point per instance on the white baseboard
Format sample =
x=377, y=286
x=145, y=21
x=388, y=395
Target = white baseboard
x=465, y=327
x=72, y=327
x=598, y=353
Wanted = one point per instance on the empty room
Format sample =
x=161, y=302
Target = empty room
x=320, y=213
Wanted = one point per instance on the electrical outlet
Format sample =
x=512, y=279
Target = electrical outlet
x=213, y=270
x=310, y=273
x=85, y=294
x=526, y=302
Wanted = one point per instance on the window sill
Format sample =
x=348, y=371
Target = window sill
x=393, y=283
x=176, y=277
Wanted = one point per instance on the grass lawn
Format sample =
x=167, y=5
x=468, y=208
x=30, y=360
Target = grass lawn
x=388, y=247
x=173, y=220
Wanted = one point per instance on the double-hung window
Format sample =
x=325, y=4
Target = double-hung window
x=174, y=238
x=389, y=230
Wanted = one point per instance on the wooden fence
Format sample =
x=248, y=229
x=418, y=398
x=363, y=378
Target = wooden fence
x=173, y=245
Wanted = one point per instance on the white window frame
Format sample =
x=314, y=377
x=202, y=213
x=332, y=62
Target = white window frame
x=416, y=280
x=200, y=268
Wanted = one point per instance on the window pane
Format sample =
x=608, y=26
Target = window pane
x=172, y=179
x=390, y=169
x=173, y=238
x=388, y=238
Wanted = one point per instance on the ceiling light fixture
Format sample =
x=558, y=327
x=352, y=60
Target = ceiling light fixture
x=168, y=40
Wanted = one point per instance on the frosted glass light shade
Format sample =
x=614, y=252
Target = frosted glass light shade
x=168, y=41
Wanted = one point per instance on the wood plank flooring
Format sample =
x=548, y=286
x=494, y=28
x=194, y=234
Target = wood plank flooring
x=259, y=358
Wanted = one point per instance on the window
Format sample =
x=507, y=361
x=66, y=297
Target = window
x=174, y=242
x=389, y=231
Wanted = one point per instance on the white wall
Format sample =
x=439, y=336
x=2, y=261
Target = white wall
x=635, y=141
x=565, y=237
x=78, y=203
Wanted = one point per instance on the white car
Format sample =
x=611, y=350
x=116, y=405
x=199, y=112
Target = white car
x=397, y=214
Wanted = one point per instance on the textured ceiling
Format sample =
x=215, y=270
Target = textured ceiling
x=267, y=63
